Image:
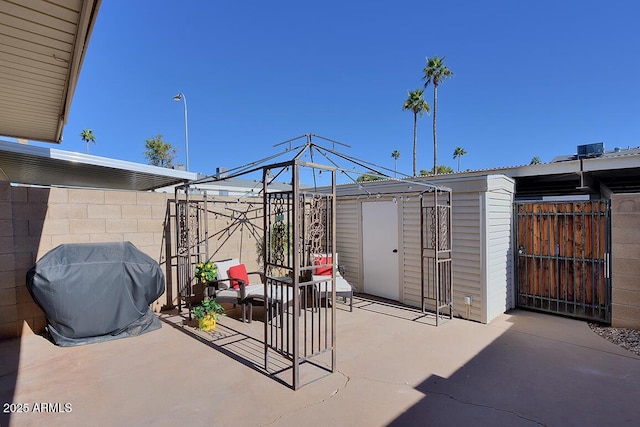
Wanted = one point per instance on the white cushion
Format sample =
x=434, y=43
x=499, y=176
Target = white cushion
x=288, y=294
x=250, y=291
x=223, y=271
x=326, y=285
x=257, y=291
x=228, y=293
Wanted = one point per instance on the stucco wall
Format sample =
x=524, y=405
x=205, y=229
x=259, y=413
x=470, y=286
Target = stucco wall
x=625, y=260
x=34, y=220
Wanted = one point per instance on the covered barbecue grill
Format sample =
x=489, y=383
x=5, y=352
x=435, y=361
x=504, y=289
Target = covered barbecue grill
x=95, y=292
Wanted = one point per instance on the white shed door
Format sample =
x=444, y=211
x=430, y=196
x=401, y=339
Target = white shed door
x=380, y=249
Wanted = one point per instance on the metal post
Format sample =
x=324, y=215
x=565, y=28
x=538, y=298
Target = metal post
x=266, y=206
x=437, y=257
x=296, y=274
x=334, y=261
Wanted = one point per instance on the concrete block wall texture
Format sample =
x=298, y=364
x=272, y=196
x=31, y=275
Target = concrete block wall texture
x=8, y=294
x=625, y=260
x=35, y=220
x=234, y=229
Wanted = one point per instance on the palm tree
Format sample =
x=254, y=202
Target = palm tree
x=458, y=153
x=416, y=103
x=535, y=160
x=396, y=156
x=435, y=72
x=87, y=135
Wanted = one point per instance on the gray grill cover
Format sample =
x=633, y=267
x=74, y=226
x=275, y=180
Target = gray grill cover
x=95, y=292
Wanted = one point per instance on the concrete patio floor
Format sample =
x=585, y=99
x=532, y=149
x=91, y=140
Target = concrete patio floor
x=393, y=368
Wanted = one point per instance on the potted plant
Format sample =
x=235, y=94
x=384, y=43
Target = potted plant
x=208, y=313
x=206, y=272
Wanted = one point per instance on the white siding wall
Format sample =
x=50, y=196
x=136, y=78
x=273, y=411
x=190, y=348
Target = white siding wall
x=410, y=255
x=467, y=262
x=499, y=250
x=481, y=233
x=348, y=240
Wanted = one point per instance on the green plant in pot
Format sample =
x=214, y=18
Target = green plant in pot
x=208, y=313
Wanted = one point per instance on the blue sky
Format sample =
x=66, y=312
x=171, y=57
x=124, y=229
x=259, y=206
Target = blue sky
x=534, y=78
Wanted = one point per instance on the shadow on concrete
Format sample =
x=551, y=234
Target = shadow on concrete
x=525, y=379
x=395, y=309
x=23, y=213
x=248, y=348
x=9, y=361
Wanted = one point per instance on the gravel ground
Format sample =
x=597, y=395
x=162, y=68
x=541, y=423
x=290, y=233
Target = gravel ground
x=624, y=337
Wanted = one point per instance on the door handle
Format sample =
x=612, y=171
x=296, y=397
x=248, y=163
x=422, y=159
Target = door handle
x=395, y=251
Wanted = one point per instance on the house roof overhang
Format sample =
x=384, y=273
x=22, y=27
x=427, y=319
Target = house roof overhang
x=598, y=176
x=593, y=176
x=26, y=164
x=42, y=47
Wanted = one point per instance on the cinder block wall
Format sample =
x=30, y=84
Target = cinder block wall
x=625, y=260
x=34, y=220
x=234, y=229
x=8, y=306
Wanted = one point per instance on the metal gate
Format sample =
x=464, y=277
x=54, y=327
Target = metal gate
x=563, y=258
x=436, y=242
x=191, y=245
x=299, y=225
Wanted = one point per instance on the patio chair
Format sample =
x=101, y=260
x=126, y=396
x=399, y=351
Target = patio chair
x=234, y=287
x=324, y=285
x=279, y=295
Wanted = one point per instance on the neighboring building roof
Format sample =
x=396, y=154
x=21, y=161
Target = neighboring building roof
x=616, y=171
x=232, y=187
x=616, y=152
x=41, y=53
x=26, y=164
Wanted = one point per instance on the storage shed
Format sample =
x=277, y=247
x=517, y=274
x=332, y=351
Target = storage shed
x=378, y=241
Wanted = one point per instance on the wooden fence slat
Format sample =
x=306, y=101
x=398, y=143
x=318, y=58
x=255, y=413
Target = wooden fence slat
x=561, y=265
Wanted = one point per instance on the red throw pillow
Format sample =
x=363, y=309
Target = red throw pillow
x=238, y=272
x=323, y=271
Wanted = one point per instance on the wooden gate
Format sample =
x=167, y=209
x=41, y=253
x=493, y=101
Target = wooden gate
x=562, y=258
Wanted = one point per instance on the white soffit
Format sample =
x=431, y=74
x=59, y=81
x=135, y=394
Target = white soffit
x=42, y=46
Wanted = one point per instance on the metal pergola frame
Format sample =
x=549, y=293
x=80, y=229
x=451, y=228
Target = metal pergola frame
x=305, y=327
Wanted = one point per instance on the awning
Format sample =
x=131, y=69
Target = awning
x=26, y=164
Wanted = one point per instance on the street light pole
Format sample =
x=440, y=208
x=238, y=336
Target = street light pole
x=182, y=97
